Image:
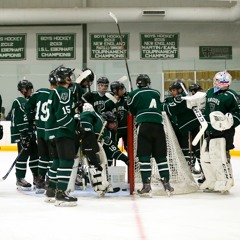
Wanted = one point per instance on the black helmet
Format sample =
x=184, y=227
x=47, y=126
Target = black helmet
x=24, y=84
x=103, y=80
x=177, y=85
x=61, y=73
x=90, y=78
x=142, y=80
x=110, y=117
x=116, y=86
x=52, y=77
x=194, y=87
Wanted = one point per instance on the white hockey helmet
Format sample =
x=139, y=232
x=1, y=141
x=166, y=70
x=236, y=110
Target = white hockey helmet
x=221, y=80
x=87, y=107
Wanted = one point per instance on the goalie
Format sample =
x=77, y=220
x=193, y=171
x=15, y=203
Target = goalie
x=222, y=113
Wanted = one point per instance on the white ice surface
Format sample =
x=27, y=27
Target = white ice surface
x=197, y=216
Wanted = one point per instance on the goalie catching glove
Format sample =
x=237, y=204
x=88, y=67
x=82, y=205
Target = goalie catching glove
x=197, y=100
x=221, y=122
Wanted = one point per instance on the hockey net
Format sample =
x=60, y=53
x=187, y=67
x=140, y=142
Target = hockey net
x=181, y=178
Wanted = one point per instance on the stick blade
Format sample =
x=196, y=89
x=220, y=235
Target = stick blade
x=111, y=97
x=83, y=76
x=204, y=126
x=114, y=17
x=122, y=79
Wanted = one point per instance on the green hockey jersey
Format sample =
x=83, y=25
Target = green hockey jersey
x=184, y=117
x=36, y=109
x=19, y=121
x=60, y=122
x=120, y=109
x=145, y=104
x=224, y=101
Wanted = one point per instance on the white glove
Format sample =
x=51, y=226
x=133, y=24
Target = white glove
x=197, y=100
x=221, y=122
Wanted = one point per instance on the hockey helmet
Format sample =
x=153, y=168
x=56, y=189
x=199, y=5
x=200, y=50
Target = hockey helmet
x=116, y=86
x=24, y=85
x=103, y=80
x=177, y=85
x=63, y=74
x=221, y=81
x=109, y=116
x=194, y=87
x=143, y=80
x=52, y=77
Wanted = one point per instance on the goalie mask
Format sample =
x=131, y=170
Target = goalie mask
x=143, y=80
x=221, y=81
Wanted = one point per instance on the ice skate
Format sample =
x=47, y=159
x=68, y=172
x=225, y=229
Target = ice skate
x=167, y=187
x=146, y=191
x=63, y=199
x=40, y=185
x=50, y=195
x=23, y=185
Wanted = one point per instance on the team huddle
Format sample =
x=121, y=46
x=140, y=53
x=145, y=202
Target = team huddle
x=61, y=129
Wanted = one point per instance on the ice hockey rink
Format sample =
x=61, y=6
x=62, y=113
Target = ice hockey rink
x=196, y=216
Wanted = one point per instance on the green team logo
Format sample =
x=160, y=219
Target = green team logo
x=64, y=96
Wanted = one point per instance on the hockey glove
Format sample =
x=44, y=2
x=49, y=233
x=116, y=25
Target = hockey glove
x=197, y=100
x=25, y=139
x=221, y=122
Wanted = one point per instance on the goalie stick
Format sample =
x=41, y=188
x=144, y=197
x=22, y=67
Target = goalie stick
x=13, y=164
x=200, y=118
x=122, y=43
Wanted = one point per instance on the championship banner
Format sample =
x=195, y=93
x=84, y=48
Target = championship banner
x=108, y=46
x=12, y=46
x=159, y=46
x=56, y=46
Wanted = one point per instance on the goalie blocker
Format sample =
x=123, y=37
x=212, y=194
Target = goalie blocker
x=215, y=162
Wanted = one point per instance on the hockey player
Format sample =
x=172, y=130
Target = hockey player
x=22, y=133
x=110, y=143
x=185, y=119
x=120, y=108
x=98, y=98
x=222, y=113
x=144, y=103
x=36, y=110
x=91, y=130
x=60, y=129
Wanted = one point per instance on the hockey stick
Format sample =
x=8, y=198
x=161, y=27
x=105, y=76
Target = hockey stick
x=13, y=164
x=83, y=75
x=111, y=97
x=200, y=118
x=124, y=53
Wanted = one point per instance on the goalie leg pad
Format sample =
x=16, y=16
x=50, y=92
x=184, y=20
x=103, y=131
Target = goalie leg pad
x=221, y=165
x=207, y=168
x=71, y=183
